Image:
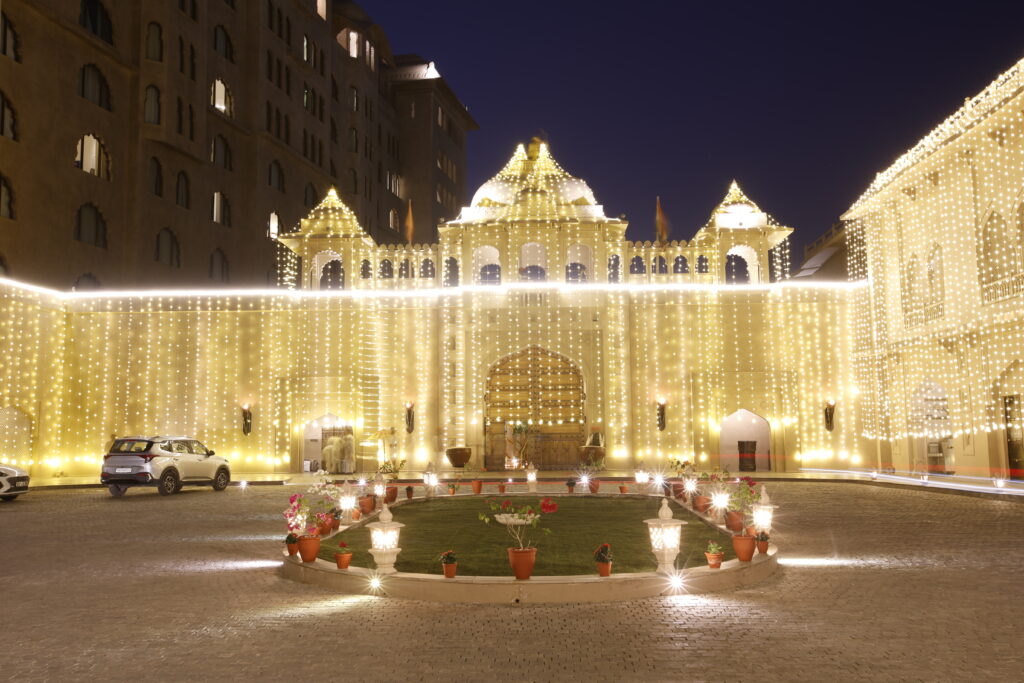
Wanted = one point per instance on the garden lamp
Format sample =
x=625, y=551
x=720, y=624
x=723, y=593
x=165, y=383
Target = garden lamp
x=531, y=478
x=347, y=501
x=384, y=541
x=642, y=476
x=762, y=512
x=666, y=534
x=720, y=503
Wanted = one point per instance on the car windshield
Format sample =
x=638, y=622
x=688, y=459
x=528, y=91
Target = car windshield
x=130, y=446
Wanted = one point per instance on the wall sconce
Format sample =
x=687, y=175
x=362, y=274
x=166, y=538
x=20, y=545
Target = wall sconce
x=246, y=419
x=661, y=414
x=410, y=417
x=666, y=534
x=830, y=414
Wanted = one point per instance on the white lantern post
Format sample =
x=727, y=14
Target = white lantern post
x=666, y=534
x=642, y=476
x=531, y=478
x=719, y=504
x=384, y=541
x=690, y=486
x=762, y=512
x=347, y=501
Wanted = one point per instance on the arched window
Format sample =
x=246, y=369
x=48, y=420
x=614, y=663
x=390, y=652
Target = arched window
x=404, y=271
x=575, y=272
x=451, y=272
x=737, y=270
x=365, y=270
x=93, y=86
x=999, y=254
x=151, y=107
x=6, y=199
x=8, y=39
x=386, y=270
x=702, y=264
x=8, y=120
x=275, y=176
x=680, y=265
x=353, y=181
x=637, y=266
x=273, y=225
x=219, y=268
x=353, y=140
x=533, y=274
x=222, y=43
x=533, y=262
x=167, y=250
x=155, y=177
x=427, y=269
x=90, y=226
x=393, y=219
x=220, y=152
x=181, y=193
x=96, y=20
x=579, y=259
x=310, y=196
x=911, y=292
x=91, y=156
x=936, y=285
x=85, y=282
x=662, y=267
x=220, y=209
x=332, y=275
x=220, y=98
x=490, y=274
x=614, y=268
x=154, y=42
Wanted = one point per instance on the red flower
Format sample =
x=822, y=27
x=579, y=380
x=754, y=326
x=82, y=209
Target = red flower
x=505, y=505
x=342, y=544
x=547, y=506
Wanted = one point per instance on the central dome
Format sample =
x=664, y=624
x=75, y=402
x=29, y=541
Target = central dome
x=532, y=186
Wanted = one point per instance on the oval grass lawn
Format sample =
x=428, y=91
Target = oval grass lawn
x=580, y=525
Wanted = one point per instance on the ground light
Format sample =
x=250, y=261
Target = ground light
x=666, y=534
x=384, y=541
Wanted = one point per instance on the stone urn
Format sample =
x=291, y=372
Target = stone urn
x=459, y=456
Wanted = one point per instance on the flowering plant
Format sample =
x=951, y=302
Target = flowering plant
x=519, y=519
x=300, y=517
x=448, y=557
x=744, y=496
x=603, y=553
x=391, y=466
x=343, y=548
x=291, y=538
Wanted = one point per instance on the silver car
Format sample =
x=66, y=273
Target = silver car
x=166, y=462
x=13, y=482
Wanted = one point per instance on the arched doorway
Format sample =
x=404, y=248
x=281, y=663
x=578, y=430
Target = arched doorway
x=1009, y=396
x=544, y=391
x=744, y=442
x=328, y=443
x=932, y=449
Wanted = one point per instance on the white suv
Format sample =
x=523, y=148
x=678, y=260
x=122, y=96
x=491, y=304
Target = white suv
x=13, y=482
x=167, y=462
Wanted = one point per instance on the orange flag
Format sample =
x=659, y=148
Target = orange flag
x=660, y=222
x=409, y=228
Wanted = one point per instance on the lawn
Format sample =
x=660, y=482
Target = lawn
x=580, y=525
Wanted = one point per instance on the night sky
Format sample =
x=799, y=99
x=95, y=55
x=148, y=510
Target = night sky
x=801, y=102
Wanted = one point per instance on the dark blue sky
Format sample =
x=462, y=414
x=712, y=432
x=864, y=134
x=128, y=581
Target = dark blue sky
x=801, y=102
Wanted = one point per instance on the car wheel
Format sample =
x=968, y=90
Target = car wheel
x=169, y=483
x=117, y=490
x=9, y=498
x=221, y=481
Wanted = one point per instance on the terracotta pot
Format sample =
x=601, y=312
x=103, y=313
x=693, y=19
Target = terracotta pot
x=744, y=547
x=594, y=485
x=751, y=531
x=356, y=514
x=734, y=520
x=336, y=523
x=522, y=561
x=458, y=457
x=501, y=488
x=342, y=559
x=762, y=547
x=408, y=492
x=571, y=487
x=390, y=494
x=623, y=489
x=309, y=546
x=604, y=568
x=451, y=490
x=714, y=560
x=367, y=504
x=293, y=548
x=701, y=503
x=478, y=486
x=325, y=527
x=450, y=569
x=679, y=490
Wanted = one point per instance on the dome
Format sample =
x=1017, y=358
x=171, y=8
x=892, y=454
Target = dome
x=532, y=186
x=737, y=211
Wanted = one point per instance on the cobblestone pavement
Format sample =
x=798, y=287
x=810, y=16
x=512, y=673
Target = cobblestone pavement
x=879, y=584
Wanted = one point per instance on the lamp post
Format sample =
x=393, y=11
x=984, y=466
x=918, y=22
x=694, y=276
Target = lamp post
x=690, y=486
x=666, y=534
x=347, y=501
x=642, y=476
x=384, y=541
x=762, y=512
x=719, y=503
x=531, y=478
x=429, y=481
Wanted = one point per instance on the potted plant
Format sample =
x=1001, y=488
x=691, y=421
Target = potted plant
x=714, y=555
x=301, y=521
x=744, y=495
x=391, y=467
x=570, y=484
x=591, y=466
x=603, y=559
x=623, y=488
x=343, y=556
x=367, y=503
x=408, y=492
x=477, y=485
x=501, y=487
x=762, y=543
x=517, y=520
x=292, y=541
x=449, y=563
x=743, y=545
x=453, y=486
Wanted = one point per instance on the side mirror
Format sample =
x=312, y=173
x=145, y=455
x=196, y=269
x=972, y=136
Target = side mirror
x=209, y=453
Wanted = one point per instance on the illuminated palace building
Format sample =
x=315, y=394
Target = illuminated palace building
x=533, y=308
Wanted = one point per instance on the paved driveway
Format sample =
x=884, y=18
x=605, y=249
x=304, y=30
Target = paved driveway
x=879, y=584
